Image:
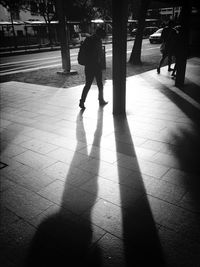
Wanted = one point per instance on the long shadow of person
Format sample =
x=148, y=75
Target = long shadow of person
x=64, y=238
x=186, y=153
x=141, y=242
x=184, y=144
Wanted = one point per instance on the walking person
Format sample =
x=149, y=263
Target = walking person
x=176, y=49
x=93, y=65
x=168, y=38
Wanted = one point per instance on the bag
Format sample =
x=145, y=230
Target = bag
x=82, y=54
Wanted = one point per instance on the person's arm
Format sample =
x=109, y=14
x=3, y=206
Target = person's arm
x=163, y=35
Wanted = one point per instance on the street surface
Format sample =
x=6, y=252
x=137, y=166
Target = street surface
x=30, y=62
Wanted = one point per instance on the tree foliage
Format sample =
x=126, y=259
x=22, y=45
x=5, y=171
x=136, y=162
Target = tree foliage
x=12, y=6
x=44, y=8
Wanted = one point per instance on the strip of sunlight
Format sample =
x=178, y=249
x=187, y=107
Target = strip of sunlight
x=31, y=69
x=164, y=79
x=185, y=96
x=21, y=68
x=29, y=60
x=33, y=60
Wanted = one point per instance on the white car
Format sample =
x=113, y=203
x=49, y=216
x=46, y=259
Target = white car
x=156, y=37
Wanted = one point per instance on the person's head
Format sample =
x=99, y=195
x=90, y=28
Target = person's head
x=101, y=33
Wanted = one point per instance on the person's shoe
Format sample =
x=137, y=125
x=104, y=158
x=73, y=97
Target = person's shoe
x=158, y=70
x=103, y=102
x=81, y=105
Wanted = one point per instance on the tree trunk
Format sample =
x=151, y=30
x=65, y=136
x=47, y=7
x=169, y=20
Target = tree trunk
x=48, y=23
x=135, y=57
x=65, y=53
x=13, y=29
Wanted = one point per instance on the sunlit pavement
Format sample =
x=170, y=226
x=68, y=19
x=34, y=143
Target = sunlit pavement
x=92, y=189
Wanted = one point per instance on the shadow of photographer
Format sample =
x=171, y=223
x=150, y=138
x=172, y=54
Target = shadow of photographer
x=64, y=238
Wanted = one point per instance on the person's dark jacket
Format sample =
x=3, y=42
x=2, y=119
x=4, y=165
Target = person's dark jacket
x=94, y=53
x=168, y=37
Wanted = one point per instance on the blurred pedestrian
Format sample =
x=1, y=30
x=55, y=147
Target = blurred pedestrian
x=176, y=48
x=94, y=63
x=168, y=37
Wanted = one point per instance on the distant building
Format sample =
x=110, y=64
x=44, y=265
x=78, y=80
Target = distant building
x=170, y=12
x=164, y=13
x=18, y=16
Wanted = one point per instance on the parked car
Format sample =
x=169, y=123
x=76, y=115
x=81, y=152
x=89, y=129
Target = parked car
x=156, y=37
x=75, y=39
x=177, y=28
x=133, y=32
x=147, y=31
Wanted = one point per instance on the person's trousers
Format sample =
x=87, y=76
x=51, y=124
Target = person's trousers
x=91, y=73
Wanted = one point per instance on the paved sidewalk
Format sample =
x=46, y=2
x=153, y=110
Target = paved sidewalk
x=91, y=189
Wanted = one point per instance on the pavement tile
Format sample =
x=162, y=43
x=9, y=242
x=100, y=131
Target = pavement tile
x=143, y=166
x=11, y=163
x=144, y=153
x=176, y=218
x=111, y=191
x=59, y=170
x=65, y=195
x=7, y=218
x=163, y=190
x=123, y=148
x=38, y=146
x=179, y=177
x=16, y=242
x=68, y=156
x=44, y=126
x=4, y=123
x=26, y=114
x=100, y=153
x=5, y=183
x=16, y=119
x=178, y=250
x=11, y=150
x=191, y=200
x=23, y=202
x=155, y=145
x=32, y=179
x=34, y=160
x=112, y=251
x=107, y=216
x=116, y=173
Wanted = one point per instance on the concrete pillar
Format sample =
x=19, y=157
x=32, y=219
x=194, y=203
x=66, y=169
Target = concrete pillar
x=183, y=52
x=119, y=27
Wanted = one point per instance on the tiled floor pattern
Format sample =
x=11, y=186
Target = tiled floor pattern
x=123, y=190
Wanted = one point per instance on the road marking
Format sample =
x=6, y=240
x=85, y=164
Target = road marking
x=25, y=61
x=58, y=57
x=25, y=67
x=36, y=68
x=17, y=70
x=32, y=60
x=27, y=70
